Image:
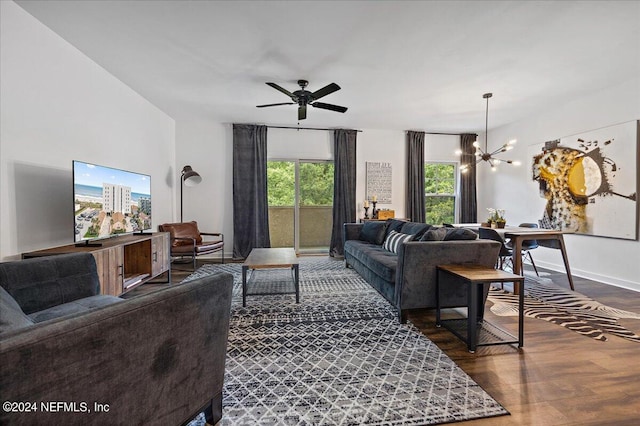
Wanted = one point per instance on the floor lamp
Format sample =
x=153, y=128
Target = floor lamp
x=189, y=177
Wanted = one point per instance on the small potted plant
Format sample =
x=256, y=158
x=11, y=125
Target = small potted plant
x=496, y=218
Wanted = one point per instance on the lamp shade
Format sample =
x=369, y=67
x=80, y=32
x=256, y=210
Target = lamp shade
x=190, y=177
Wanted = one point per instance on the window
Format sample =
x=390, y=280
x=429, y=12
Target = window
x=300, y=194
x=440, y=188
x=281, y=183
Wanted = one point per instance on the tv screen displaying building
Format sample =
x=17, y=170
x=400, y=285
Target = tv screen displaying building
x=109, y=201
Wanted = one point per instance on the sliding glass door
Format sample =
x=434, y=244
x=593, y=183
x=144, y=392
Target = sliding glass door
x=300, y=204
x=281, y=193
x=315, y=206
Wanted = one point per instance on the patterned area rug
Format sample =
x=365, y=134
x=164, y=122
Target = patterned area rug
x=340, y=357
x=546, y=301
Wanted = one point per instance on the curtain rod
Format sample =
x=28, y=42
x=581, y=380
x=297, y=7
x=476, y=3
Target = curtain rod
x=304, y=128
x=449, y=134
x=357, y=130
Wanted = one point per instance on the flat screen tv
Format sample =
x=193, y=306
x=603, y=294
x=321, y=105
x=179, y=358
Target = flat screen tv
x=109, y=202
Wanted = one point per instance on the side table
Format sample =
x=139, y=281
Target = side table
x=476, y=276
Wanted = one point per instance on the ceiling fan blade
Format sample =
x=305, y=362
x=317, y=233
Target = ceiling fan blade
x=270, y=105
x=330, y=88
x=331, y=107
x=282, y=89
x=302, y=112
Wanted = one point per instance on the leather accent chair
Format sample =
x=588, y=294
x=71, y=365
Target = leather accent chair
x=187, y=241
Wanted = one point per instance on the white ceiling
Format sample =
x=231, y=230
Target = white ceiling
x=401, y=65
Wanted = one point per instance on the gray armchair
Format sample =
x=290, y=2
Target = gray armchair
x=155, y=359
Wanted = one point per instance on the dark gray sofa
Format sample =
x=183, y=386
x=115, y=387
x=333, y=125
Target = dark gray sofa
x=155, y=359
x=407, y=278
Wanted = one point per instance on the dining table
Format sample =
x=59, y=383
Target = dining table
x=518, y=234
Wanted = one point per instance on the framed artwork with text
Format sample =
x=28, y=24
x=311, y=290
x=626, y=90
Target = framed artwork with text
x=379, y=182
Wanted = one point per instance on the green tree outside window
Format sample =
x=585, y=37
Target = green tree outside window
x=440, y=192
x=281, y=183
x=316, y=183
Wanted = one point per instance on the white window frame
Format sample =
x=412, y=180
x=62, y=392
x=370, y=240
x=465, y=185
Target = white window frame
x=456, y=187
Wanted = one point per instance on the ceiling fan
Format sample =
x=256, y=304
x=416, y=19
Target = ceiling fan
x=303, y=98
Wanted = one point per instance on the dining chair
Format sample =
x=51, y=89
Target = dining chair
x=527, y=246
x=504, y=257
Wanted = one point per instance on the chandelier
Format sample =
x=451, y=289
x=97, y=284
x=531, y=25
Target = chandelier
x=484, y=154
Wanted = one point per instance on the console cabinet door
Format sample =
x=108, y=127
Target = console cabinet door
x=110, y=265
x=160, y=254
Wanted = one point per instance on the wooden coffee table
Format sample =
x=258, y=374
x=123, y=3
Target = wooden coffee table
x=271, y=258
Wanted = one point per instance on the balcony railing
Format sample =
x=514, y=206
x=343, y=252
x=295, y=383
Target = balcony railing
x=315, y=227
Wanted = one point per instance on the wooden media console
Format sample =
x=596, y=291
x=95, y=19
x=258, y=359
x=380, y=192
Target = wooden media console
x=123, y=262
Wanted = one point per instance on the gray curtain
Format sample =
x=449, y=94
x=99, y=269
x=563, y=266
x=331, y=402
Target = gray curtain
x=250, y=205
x=344, y=187
x=468, y=202
x=414, y=208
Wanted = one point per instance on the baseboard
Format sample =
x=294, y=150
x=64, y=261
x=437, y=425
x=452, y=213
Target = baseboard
x=605, y=279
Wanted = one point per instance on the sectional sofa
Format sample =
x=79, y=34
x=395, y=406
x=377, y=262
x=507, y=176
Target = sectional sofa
x=399, y=260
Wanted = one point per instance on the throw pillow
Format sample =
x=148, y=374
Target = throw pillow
x=415, y=228
x=394, y=240
x=434, y=234
x=394, y=225
x=459, y=234
x=373, y=232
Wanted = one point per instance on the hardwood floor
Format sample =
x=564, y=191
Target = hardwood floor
x=558, y=377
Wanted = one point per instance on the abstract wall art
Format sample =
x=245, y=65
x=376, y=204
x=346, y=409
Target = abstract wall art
x=590, y=182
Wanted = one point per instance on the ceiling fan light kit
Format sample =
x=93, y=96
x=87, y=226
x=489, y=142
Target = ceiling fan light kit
x=485, y=154
x=304, y=97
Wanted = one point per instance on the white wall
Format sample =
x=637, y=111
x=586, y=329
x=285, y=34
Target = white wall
x=613, y=261
x=287, y=144
x=208, y=147
x=391, y=146
x=57, y=105
x=384, y=146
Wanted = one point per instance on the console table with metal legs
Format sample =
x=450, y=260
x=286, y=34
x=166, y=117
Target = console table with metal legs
x=470, y=329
